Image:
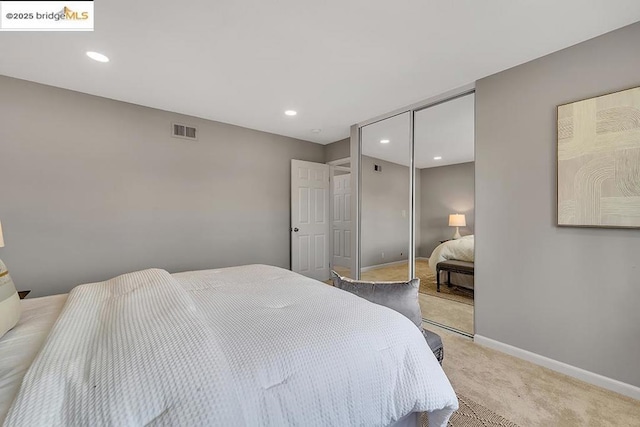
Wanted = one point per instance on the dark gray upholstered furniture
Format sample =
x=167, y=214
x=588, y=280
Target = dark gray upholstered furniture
x=435, y=344
x=399, y=296
x=452, y=266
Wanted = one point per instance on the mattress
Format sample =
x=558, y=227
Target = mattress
x=293, y=350
x=20, y=345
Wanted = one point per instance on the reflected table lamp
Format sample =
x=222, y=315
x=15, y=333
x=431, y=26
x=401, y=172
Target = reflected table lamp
x=457, y=221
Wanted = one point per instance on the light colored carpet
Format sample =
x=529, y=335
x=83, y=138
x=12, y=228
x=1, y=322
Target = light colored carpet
x=527, y=394
x=446, y=312
x=472, y=414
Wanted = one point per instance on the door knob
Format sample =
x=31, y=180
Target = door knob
x=296, y=229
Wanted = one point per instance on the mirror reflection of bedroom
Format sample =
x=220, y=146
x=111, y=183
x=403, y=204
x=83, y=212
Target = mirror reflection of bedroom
x=444, y=202
x=444, y=160
x=385, y=198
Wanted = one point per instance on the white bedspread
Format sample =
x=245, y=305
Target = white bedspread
x=19, y=347
x=252, y=345
x=461, y=249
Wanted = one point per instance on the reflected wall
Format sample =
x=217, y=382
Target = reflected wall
x=385, y=199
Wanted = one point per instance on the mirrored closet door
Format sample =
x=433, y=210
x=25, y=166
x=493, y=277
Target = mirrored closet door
x=416, y=212
x=444, y=145
x=385, y=199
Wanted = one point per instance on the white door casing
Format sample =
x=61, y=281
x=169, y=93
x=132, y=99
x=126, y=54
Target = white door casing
x=341, y=220
x=310, y=220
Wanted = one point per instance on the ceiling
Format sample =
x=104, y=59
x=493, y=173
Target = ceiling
x=336, y=62
x=397, y=131
x=445, y=130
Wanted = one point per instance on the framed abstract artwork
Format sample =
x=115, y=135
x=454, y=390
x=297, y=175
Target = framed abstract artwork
x=599, y=161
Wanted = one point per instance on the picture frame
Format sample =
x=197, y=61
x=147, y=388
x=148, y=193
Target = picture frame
x=598, y=161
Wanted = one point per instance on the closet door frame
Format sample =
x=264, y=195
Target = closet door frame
x=356, y=175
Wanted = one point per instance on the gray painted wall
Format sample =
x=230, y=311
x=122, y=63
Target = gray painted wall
x=91, y=188
x=444, y=190
x=570, y=294
x=337, y=150
x=384, y=196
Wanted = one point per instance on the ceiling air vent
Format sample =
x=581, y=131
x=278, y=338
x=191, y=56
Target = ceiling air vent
x=184, y=131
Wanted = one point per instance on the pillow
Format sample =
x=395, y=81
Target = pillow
x=10, y=307
x=399, y=296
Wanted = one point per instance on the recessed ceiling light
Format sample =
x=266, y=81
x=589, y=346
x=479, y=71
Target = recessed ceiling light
x=384, y=141
x=291, y=112
x=97, y=56
x=437, y=158
x=316, y=130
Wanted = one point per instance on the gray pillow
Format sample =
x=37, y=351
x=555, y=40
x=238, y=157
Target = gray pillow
x=399, y=296
x=10, y=308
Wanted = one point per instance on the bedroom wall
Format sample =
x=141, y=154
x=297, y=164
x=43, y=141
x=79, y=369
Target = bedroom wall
x=444, y=190
x=91, y=188
x=384, y=196
x=570, y=294
x=337, y=150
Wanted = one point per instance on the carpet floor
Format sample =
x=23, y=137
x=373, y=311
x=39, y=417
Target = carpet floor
x=528, y=394
x=446, y=312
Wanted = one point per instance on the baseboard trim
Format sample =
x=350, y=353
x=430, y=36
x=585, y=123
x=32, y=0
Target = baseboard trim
x=388, y=264
x=564, y=368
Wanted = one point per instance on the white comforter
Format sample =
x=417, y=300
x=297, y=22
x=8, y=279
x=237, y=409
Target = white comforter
x=242, y=346
x=461, y=249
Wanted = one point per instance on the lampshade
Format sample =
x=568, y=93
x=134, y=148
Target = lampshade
x=457, y=220
x=1, y=238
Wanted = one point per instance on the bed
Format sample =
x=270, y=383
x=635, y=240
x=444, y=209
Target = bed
x=462, y=249
x=251, y=345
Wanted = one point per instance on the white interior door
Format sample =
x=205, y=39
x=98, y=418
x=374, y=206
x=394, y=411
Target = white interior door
x=342, y=220
x=310, y=219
